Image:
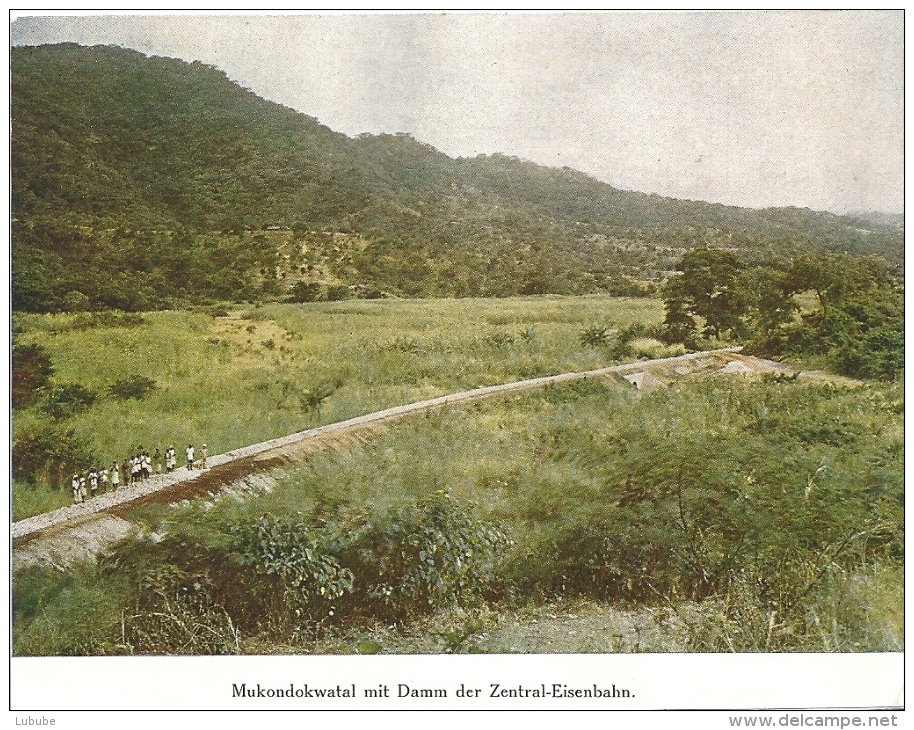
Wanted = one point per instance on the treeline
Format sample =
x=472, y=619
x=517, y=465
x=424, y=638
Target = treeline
x=855, y=321
x=143, y=182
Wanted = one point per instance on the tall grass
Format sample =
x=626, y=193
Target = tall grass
x=268, y=371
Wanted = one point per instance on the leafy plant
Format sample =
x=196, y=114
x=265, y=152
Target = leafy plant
x=405, y=344
x=49, y=452
x=292, y=550
x=66, y=400
x=415, y=558
x=595, y=335
x=312, y=397
x=305, y=291
x=499, y=338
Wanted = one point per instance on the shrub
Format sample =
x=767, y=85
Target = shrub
x=50, y=452
x=499, y=338
x=386, y=565
x=305, y=291
x=68, y=399
x=191, y=574
x=76, y=301
x=313, y=397
x=404, y=344
x=134, y=386
x=594, y=336
x=693, y=493
x=32, y=370
x=218, y=310
x=293, y=551
x=416, y=558
x=337, y=293
x=622, y=344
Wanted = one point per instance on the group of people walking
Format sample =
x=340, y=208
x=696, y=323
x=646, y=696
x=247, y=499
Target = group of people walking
x=132, y=470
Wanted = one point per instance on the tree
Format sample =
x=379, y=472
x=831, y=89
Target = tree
x=769, y=301
x=858, y=326
x=833, y=278
x=706, y=288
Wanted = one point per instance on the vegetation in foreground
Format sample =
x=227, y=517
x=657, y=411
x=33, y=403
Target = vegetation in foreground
x=89, y=387
x=716, y=516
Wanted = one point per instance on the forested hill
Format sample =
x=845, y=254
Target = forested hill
x=145, y=182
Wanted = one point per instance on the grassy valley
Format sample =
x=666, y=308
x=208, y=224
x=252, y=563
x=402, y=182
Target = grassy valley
x=234, y=376
x=192, y=263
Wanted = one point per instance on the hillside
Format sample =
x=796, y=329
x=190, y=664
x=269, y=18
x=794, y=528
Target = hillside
x=150, y=182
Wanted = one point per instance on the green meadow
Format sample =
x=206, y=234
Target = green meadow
x=238, y=375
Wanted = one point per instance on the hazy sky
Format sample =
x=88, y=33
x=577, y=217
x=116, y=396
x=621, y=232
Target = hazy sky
x=747, y=108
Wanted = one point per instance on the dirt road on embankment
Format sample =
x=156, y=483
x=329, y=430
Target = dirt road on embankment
x=83, y=530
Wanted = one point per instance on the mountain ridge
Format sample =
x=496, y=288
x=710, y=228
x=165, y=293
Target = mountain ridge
x=170, y=170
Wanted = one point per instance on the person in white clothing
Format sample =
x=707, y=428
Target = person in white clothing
x=190, y=456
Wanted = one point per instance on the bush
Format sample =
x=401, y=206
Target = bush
x=296, y=555
x=388, y=565
x=218, y=310
x=693, y=493
x=32, y=370
x=405, y=344
x=67, y=400
x=135, y=386
x=49, y=452
x=415, y=558
x=305, y=291
x=76, y=301
x=595, y=336
x=337, y=293
x=499, y=338
x=313, y=397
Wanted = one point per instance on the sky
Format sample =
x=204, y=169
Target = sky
x=755, y=109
